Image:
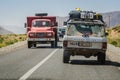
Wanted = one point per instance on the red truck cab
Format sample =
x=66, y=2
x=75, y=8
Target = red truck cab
x=41, y=29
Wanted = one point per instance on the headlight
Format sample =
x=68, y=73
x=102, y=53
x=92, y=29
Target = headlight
x=32, y=34
x=49, y=34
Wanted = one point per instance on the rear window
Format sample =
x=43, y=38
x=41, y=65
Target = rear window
x=83, y=29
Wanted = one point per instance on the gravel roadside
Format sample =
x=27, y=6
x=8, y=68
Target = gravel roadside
x=10, y=48
x=113, y=53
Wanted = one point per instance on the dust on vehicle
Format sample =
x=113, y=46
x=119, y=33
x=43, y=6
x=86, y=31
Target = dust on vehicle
x=85, y=36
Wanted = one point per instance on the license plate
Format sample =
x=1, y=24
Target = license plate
x=80, y=44
x=40, y=35
x=84, y=44
x=74, y=43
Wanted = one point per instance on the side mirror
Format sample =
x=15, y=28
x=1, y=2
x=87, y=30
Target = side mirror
x=65, y=23
x=25, y=25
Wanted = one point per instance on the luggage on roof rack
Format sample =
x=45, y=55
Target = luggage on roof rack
x=74, y=14
x=85, y=15
x=98, y=17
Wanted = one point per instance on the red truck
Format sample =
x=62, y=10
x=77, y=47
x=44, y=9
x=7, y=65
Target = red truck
x=41, y=29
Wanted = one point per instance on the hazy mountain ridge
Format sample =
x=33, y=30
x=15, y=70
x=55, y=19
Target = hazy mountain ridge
x=4, y=31
x=16, y=29
x=112, y=17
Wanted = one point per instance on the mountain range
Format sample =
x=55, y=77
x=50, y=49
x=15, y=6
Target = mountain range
x=111, y=18
x=4, y=31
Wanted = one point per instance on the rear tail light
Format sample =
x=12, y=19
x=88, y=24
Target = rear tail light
x=104, y=45
x=65, y=43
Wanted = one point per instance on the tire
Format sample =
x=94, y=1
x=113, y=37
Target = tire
x=29, y=44
x=55, y=43
x=66, y=57
x=52, y=44
x=101, y=58
x=56, y=39
x=35, y=45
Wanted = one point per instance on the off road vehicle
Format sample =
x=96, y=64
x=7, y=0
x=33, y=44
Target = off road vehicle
x=85, y=36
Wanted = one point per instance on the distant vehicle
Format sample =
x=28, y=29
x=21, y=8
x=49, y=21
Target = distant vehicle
x=85, y=36
x=61, y=31
x=41, y=29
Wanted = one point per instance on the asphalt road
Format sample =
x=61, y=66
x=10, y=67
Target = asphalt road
x=45, y=63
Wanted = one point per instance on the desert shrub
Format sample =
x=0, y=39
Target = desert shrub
x=117, y=28
x=15, y=40
x=2, y=45
x=9, y=42
x=19, y=38
x=1, y=39
x=114, y=43
x=114, y=40
x=11, y=39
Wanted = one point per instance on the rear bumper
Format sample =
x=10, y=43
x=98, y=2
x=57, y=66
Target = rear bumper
x=41, y=39
x=84, y=51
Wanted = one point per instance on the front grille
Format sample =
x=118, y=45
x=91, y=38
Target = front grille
x=40, y=35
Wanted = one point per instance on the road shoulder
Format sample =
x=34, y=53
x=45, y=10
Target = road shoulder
x=13, y=47
x=113, y=53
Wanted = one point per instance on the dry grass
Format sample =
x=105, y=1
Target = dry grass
x=114, y=36
x=9, y=39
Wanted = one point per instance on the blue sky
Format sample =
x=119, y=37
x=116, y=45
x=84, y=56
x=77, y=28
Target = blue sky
x=14, y=12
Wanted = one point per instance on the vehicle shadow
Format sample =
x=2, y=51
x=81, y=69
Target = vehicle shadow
x=94, y=62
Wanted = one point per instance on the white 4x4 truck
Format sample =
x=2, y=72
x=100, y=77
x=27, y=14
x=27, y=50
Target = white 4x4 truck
x=85, y=35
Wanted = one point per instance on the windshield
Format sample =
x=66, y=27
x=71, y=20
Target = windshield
x=41, y=24
x=85, y=29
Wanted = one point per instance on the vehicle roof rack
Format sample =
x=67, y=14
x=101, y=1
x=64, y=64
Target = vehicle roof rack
x=41, y=14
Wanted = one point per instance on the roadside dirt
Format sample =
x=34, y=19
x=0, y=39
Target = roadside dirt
x=10, y=48
x=113, y=53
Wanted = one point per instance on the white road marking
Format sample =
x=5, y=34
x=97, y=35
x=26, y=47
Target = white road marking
x=26, y=75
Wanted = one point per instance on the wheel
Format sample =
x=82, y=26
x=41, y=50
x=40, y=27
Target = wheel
x=52, y=44
x=56, y=44
x=34, y=44
x=101, y=58
x=66, y=57
x=56, y=39
x=29, y=44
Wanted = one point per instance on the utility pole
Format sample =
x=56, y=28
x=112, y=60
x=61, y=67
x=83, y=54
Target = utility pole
x=109, y=21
